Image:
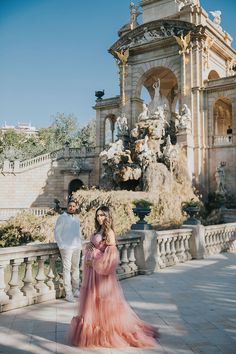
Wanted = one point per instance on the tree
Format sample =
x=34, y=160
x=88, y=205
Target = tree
x=65, y=128
x=15, y=145
x=87, y=134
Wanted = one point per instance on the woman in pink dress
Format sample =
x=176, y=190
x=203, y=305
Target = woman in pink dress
x=105, y=319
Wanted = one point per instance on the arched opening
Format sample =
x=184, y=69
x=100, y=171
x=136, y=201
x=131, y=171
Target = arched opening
x=168, y=87
x=109, y=129
x=74, y=185
x=222, y=116
x=169, y=95
x=213, y=75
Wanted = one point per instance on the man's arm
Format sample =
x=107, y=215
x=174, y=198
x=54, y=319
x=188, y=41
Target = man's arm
x=58, y=229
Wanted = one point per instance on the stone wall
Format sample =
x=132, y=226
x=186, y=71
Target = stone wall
x=38, y=183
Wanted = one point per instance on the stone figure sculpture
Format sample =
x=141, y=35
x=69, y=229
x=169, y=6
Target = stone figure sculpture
x=217, y=17
x=122, y=125
x=159, y=102
x=220, y=179
x=185, y=118
x=114, y=148
x=134, y=13
x=144, y=114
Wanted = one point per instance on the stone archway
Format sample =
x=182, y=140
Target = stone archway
x=74, y=185
x=169, y=88
x=109, y=129
x=222, y=116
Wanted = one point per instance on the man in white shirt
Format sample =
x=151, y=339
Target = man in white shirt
x=68, y=238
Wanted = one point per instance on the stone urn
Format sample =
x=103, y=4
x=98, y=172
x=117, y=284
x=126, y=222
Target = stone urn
x=141, y=210
x=191, y=211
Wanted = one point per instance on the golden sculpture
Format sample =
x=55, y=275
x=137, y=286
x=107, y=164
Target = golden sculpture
x=122, y=56
x=184, y=42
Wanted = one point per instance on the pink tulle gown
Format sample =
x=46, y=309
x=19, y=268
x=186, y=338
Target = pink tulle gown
x=105, y=319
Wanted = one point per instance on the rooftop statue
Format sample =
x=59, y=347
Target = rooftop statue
x=134, y=13
x=217, y=17
x=187, y=2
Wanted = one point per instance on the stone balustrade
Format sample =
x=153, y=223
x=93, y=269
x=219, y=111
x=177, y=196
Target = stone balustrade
x=160, y=249
x=17, y=166
x=220, y=238
x=33, y=273
x=34, y=161
x=7, y=213
x=23, y=280
x=173, y=247
x=219, y=140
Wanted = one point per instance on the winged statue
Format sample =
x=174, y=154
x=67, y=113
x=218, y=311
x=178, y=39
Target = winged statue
x=183, y=42
x=123, y=55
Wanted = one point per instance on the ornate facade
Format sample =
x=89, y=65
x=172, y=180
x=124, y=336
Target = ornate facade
x=192, y=57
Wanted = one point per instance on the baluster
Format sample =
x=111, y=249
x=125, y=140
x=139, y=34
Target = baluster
x=173, y=250
x=178, y=250
x=132, y=258
x=125, y=259
x=4, y=299
x=163, y=253
x=184, y=257
x=119, y=269
x=40, y=286
x=159, y=253
x=214, y=249
x=58, y=280
x=181, y=249
x=222, y=242
x=187, y=248
x=28, y=288
x=50, y=275
x=217, y=243
x=168, y=252
x=210, y=243
x=14, y=290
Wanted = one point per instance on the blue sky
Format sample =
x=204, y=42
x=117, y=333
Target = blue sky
x=54, y=55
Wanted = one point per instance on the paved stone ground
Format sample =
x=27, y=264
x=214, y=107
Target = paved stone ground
x=193, y=304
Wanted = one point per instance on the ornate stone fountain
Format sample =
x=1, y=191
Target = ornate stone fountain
x=138, y=155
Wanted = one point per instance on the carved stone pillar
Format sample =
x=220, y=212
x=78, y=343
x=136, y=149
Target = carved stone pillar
x=51, y=272
x=132, y=264
x=125, y=259
x=14, y=290
x=28, y=288
x=40, y=286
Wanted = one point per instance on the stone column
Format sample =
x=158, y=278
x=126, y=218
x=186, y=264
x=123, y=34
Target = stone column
x=197, y=241
x=146, y=251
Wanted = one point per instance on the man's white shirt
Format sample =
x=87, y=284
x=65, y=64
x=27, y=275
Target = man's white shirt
x=67, y=231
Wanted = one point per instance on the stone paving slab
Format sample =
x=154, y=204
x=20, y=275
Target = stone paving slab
x=193, y=304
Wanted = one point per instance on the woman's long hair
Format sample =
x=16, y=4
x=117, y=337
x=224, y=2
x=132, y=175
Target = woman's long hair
x=107, y=224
